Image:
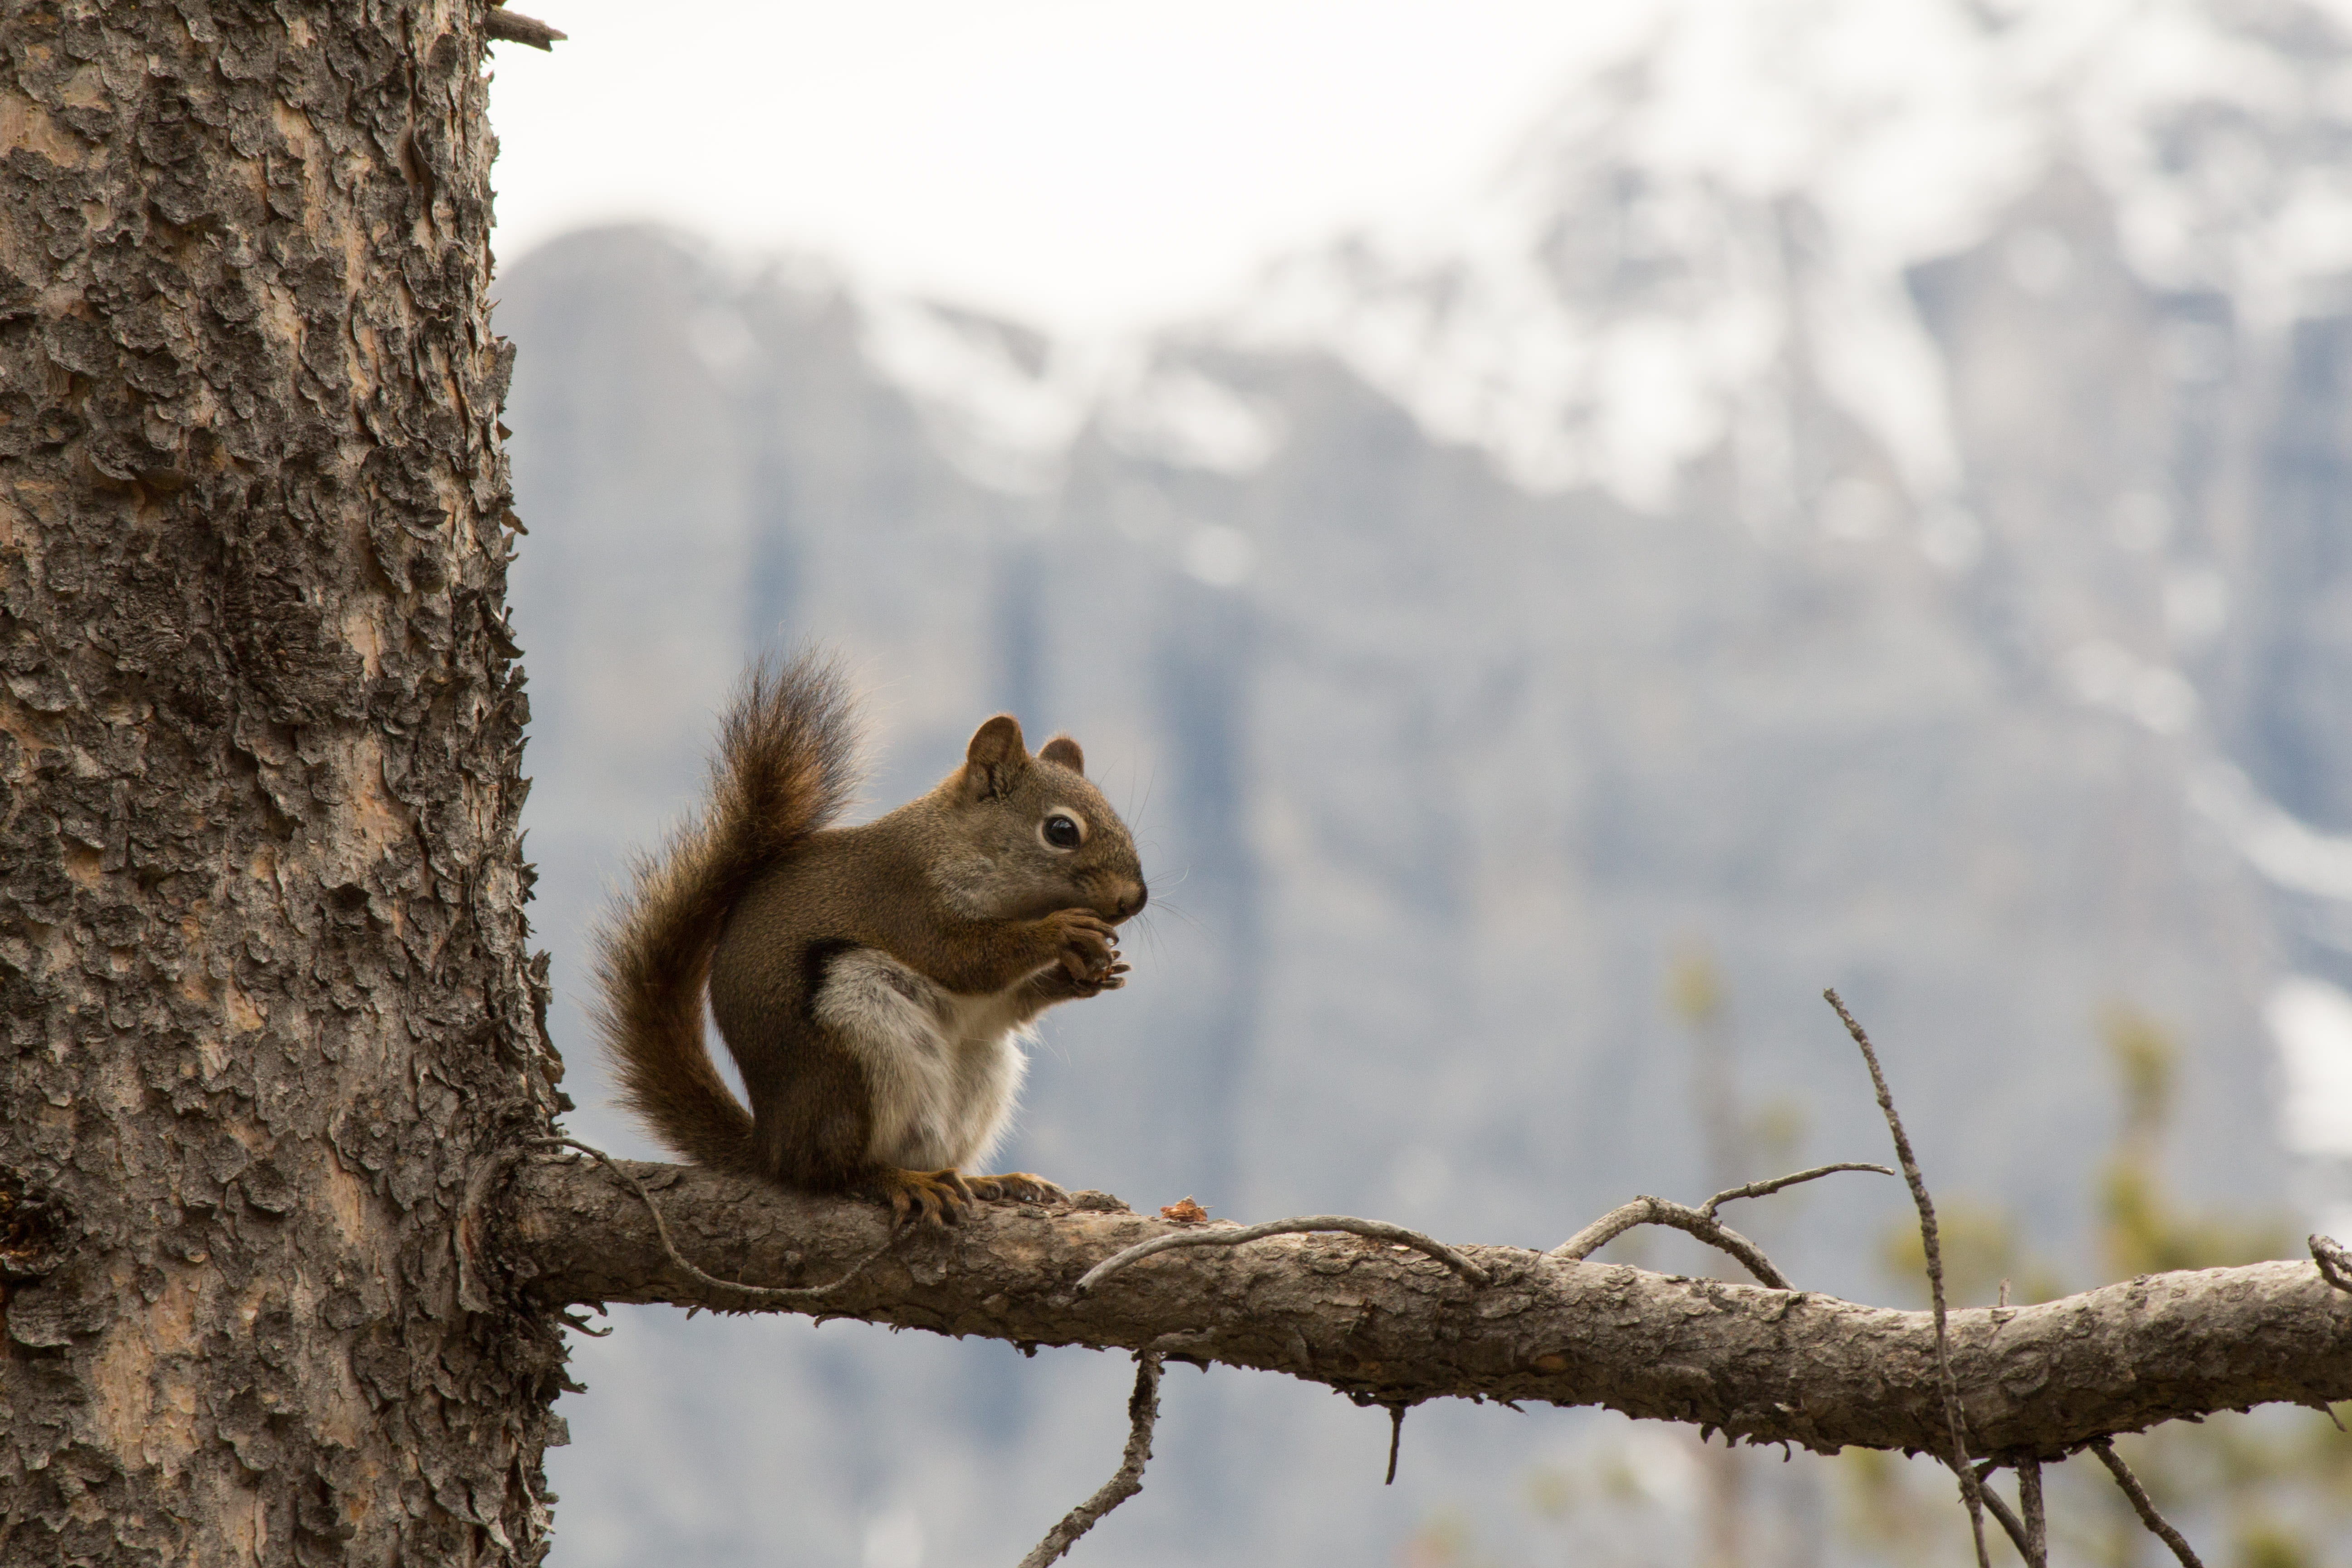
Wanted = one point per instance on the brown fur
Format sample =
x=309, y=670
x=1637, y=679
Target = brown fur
x=758, y=897
x=784, y=770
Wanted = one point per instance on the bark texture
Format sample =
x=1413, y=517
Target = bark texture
x=1391, y=1325
x=263, y=975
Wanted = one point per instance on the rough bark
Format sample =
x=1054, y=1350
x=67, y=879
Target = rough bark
x=1387, y=1324
x=267, y=998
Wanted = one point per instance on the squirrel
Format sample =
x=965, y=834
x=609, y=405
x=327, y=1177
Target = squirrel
x=875, y=982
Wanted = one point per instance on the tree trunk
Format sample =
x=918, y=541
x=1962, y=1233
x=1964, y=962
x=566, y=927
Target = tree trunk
x=268, y=1003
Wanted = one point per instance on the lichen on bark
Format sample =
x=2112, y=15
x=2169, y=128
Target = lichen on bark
x=264, y=974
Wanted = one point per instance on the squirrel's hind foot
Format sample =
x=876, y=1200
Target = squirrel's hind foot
x=1019, y=1186
x=940, y=1197
x=934, y=1197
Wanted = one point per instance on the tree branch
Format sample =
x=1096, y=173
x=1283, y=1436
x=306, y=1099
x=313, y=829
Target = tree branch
x=1395, y=1326
x=1699, y=1222
x=1766, y=1189
x=745, y=1295
x=1647, y=1210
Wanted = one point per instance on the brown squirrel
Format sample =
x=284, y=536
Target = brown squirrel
x=873, y=983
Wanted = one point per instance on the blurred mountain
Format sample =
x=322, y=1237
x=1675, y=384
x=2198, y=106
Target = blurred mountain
x=1861, y=500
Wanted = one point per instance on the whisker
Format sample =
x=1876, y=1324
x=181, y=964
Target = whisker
x=1149, y=781
x=1182, y=913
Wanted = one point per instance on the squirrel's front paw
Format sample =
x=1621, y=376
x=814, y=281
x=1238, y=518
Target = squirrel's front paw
x=1089, y=944
x=1079, y=987
x=1019, y=1186
x=935, y=1197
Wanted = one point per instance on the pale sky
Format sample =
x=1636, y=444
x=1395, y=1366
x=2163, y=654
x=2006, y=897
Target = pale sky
x=1086, y=163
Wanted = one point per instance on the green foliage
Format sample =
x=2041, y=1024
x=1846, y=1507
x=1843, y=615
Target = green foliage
x=1981, y=1254
x=1695, y=989
x=2142, y=1231
x=1883, y=1511
x=2266, y=1546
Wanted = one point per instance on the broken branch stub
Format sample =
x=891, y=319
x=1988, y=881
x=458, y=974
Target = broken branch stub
x=514, y=27
x=2335, y=1261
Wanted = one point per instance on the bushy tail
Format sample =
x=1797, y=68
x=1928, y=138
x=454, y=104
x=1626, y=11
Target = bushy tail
x=785, y=767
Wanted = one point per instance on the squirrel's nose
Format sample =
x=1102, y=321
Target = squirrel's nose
x=1134, y=901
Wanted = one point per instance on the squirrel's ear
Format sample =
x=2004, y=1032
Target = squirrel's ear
x=994, y=759
x=1063, y=751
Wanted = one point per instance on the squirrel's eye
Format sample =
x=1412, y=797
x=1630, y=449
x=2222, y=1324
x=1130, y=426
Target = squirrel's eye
x=1063, y=832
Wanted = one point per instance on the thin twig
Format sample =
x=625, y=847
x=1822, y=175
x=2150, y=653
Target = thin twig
x=1377, y=1230
x=2142, y=1504
x=2037, y=1522
x=1142, y=1410
x=1970, y=1491
x=2008, y=1521
x=2334, y=1259
x=1762, y=1189
x=1680, y=1216
x=2030, y=1535
x=778, y=1293
x=1396, y=1437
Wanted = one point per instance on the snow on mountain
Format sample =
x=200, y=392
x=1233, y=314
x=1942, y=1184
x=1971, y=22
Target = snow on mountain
x=1736, y=195
x=1006, y=402
x=1725, y=215
x=1725, y=218
x=2311, y=1021
x=1002, y=401
x=2287, y=853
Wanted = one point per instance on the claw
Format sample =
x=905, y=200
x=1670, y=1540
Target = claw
x=1019, y=1186
x=932, y=1197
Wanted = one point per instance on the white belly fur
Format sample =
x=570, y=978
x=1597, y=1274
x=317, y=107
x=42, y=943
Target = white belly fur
x=944, y=1070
